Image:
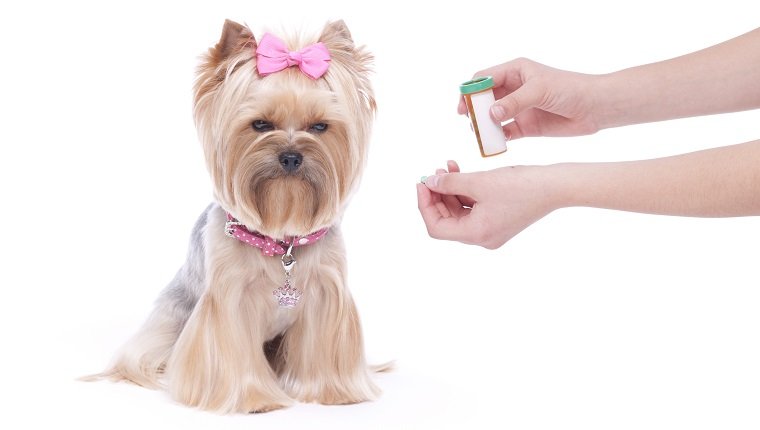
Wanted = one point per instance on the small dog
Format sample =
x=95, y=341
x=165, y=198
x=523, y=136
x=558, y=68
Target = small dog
x=242, y=327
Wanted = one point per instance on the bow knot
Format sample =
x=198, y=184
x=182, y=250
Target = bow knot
x=294, y=58
x=272, y=56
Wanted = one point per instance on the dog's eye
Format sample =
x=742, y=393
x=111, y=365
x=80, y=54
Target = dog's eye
x=261, y=126
x=319, y=127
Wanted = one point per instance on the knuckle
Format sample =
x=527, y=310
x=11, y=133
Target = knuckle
x=522, y=61
x=524, y=64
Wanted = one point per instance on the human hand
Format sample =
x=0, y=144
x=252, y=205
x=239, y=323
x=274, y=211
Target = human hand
x=485, y=208
x=543, y=101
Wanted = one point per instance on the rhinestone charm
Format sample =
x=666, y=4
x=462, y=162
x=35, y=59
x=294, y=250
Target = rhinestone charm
x=287, y=295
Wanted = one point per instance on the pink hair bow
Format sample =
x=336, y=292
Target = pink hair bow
x=272, y=56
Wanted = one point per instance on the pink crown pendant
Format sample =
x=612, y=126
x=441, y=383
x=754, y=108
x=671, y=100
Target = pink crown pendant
x=287, y=295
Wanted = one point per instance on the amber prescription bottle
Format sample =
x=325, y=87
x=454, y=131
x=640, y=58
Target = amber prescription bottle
x=478, y=96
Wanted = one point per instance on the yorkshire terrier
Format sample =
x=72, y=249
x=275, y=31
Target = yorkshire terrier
x=260, y=314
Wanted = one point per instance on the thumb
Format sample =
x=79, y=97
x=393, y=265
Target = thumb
x=529, y=95
x=453, y=184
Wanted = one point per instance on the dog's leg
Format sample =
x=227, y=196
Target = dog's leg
x=142, y=359
x=321, y=358
x=218, y=362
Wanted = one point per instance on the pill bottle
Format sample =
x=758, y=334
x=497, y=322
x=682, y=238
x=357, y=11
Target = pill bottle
x=478, y=96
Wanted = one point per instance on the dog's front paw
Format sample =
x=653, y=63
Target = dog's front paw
x=254, y=401
x=337, y=392
x=345, y=399
x=260, y=406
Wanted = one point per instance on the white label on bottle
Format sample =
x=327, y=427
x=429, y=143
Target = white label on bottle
x=491, y=135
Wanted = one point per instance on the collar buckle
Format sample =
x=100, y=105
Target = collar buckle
x=229, y=227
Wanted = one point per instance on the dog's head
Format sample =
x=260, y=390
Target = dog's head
x=284, y=150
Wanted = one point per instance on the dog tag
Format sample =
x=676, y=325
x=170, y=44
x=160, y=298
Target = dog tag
x=287, y=295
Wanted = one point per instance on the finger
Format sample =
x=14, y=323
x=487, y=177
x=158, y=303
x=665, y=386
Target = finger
x=426, y=204
x=463, y=203
x=425, y=201
x=457, y=205
x=458, y=184
x=454, y=168
x=461, y=107
x=439, y=227
x=443, y=203
x=454, y=206
x=436, y=201
x=512, y=131
x=449, y=204
x=527, y=96
x=508, y=75
x=442, y=206
x=466, y=202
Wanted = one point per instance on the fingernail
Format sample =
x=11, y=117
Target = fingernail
x=422, y=179
x=498, y=113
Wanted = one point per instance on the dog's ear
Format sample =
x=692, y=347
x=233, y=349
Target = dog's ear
x=235, y=38
x=348, y=63
x=336, y=37
x=235, y=47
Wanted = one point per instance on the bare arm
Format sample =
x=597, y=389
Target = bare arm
x=544, y=101
x=721, y=78
x=489, y=208
x=719, y=182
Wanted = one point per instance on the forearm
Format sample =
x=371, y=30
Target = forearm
x=719, y=182
x=722, y=78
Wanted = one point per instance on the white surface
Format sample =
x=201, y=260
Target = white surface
x=491, y=134
x=589, y=319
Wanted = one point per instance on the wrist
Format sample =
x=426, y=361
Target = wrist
x=557, y=186
x=611, y=100
x=570, y=184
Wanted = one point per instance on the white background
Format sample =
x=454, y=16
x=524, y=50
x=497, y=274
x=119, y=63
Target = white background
x=589, y=319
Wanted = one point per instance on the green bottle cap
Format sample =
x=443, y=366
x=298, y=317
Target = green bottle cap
x=476, y=85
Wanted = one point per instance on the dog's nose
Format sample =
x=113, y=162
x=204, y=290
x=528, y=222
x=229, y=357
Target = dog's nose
x=291, y=161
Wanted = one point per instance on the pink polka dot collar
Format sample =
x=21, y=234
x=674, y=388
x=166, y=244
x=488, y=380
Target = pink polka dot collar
x=268, y=245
